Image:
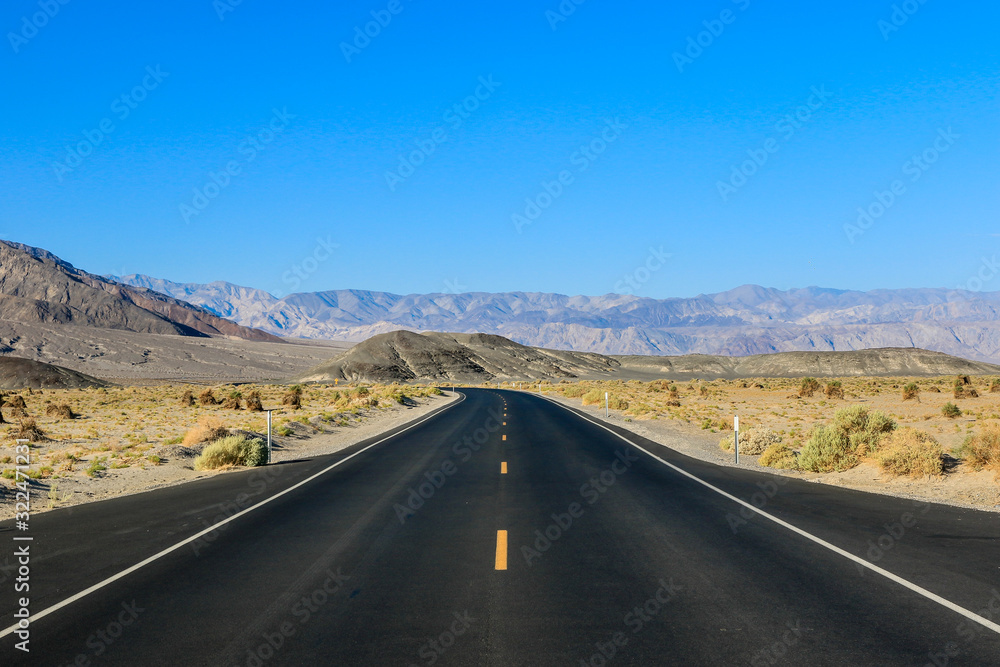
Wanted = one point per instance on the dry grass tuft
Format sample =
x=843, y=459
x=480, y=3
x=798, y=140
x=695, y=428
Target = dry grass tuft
x=254, y=403
x=834, y=390
x=911, y=391
x=779, y=456
x=207, y=398
x=206, y=430
x=62, y=411
x=982, y=450
x=28, y=430
x=908, y=451
x=233, y=450
x=187, y=398
x=808, y=387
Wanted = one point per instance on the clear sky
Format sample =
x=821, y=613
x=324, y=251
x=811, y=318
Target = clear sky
x=736, y=139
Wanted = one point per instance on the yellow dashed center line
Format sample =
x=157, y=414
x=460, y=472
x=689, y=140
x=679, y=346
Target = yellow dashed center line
x=503, y=467
x=505, y=437
x=501, y=550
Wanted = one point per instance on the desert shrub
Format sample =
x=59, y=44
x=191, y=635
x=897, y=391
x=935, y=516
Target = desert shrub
x=234, y=401
x=28, y=429
x=18, y=408
x=756, y=439
x=593, y=397
x=674, y=393
x=863, y=428
x=293, y=397
x=827, y=449
x=908, y=451
x=726, y=444
x=207, y=398
x=574, y=391
x=672, y=403
x=963, y=380
x=254, y=403
x=187, y=398
x=995, y=386
x=2, y=403
x=911, y=391
x=206, y=430
x=934, y=389
x=779, y=456
x=950, y=410
x=233, y=450
x=616, y=403
x=62, y=411
x=834, y=390
x=703, y=391
x=982, y=450
x=808, y=387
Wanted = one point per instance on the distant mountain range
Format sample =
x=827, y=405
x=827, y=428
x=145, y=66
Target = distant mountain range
x=744, y=321
x=36, y=287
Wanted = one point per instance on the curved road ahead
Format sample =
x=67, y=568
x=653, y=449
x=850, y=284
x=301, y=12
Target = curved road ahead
x=508, y=530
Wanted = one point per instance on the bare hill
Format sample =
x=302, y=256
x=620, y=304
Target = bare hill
x=38, y=287
x=405, y=356
x=17, y=373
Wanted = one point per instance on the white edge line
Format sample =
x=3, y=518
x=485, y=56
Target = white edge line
x=125, y=573
x=846, y=554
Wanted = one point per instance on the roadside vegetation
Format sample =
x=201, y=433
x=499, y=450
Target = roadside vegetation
x=97, y=431
x=903, y=426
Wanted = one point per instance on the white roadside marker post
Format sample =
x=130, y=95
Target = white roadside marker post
x=736, y=437
x=268, y=436
x=606, y=415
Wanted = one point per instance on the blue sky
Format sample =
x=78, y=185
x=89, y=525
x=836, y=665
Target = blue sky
x=252, y=146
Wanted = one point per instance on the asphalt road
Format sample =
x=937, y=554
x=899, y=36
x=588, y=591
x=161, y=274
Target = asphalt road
x=545, y=540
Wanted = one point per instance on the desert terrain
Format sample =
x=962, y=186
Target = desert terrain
x=697, y=420
x=99, y=442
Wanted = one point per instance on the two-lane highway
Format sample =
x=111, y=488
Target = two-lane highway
x=508, y=530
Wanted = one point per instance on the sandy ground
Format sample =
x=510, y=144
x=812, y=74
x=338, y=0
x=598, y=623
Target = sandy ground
x=960, y=487
x=315, y=438
x=131, y=358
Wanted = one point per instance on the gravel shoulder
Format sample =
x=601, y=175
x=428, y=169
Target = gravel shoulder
x=959, y=487
x=307, y=440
